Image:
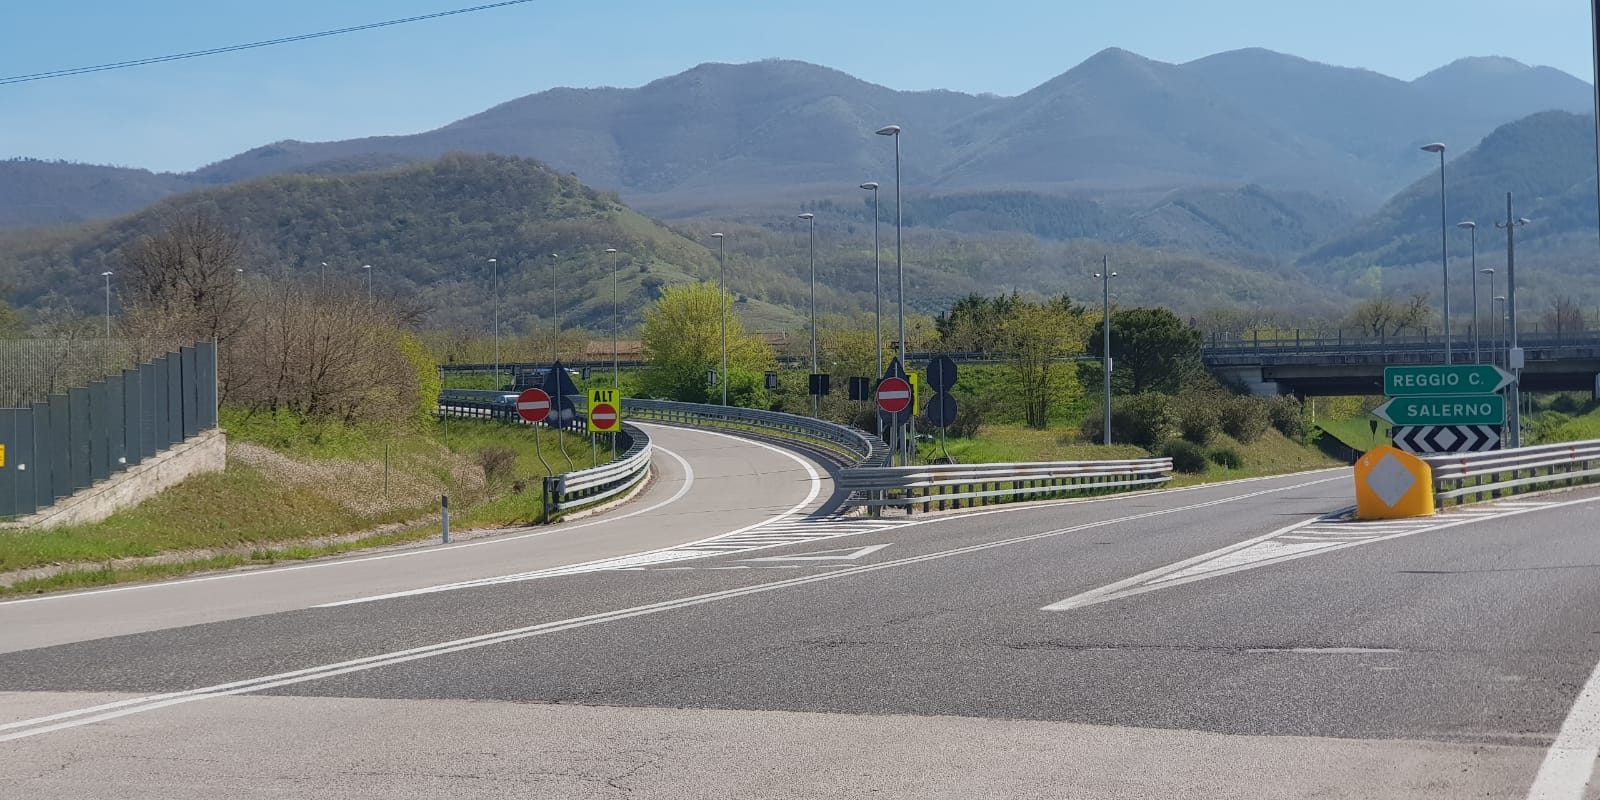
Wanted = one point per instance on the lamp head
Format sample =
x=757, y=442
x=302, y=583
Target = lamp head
x=1489, y=271
x=366, y=266
x=494, y=261
x=889, y=130
x=611, y=249
x=106, y=274
x=871, y=186
x=1469, y=225
x=1436, y=147
x=716, y=236
x=808, y=215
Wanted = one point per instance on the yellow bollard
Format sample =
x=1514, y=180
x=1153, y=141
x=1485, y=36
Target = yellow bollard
x=1391, y=484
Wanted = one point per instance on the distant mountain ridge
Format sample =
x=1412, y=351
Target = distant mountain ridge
x=718, y=136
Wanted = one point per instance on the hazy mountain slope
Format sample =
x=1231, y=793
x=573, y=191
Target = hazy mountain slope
x=48, y=192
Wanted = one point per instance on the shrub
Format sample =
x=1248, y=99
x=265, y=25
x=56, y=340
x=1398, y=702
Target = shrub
x=1197, y=420
x=1227, y=457
x=1244, y=418
x=497, y=462
x=1287, y=414
x=1186, y=456
x=1144, y=420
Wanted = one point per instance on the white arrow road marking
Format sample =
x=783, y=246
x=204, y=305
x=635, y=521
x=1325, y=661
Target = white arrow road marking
x=848, y=554
x=1299, y=540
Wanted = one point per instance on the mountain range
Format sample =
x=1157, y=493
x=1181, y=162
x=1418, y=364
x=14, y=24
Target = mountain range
x=722, y=139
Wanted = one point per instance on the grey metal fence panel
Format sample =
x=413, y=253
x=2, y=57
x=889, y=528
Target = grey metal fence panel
x=99, y=431
x=150, y=383
x=190, y=372
x=44, y=458
x=132, y=419
x=26, y=470
x=172, y=431
x=80, y=471
x=9, y=504
x=206, y=382
x=116, y=435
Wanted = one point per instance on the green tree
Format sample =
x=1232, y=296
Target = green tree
x=682, y=341
x=1039, y=338
x=10, y=321
x=1151, y=350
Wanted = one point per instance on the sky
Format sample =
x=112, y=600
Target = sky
x=183, y=115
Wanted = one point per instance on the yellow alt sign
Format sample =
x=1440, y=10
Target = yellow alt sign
x=1391, y=483
x=605, y=412
x=916, y=391
x=2, y=455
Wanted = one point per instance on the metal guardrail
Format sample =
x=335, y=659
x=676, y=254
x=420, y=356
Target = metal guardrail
x=586, y=487
x=950, y=485
x=854, y=447
x=1352, y=344
x=1498, y=473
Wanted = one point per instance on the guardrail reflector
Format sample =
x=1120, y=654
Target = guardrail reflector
x=1391, y=484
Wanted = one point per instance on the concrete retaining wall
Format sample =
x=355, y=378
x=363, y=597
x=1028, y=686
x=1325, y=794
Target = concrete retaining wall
x=204, y=452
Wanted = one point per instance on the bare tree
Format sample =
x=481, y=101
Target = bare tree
x=1389, y=316
x=183, y=282
x=1565, y=316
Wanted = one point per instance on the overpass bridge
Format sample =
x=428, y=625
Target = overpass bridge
x=1335, y=363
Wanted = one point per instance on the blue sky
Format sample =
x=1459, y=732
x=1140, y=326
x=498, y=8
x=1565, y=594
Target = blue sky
x=399, y=80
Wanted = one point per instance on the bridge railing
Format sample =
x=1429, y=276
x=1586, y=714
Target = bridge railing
x=1476, y=477
x=1351, y=342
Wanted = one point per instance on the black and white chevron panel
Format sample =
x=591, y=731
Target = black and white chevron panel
x=1447, y=438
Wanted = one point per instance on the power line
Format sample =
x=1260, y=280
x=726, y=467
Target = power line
x=140, y=62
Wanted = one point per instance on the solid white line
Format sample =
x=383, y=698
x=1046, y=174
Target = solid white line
x=813, y=477
x=1569, y=763
x=688, y=482
x=100, y=713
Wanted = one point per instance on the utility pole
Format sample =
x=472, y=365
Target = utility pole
x=1105, y=275
x=1514, y=356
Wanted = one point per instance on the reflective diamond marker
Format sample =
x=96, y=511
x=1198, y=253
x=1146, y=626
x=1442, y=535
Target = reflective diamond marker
x=1390, y=480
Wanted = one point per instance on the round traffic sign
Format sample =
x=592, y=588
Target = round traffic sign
x=941, y=411
x=533, y=405
x=603, y=417
x=894, y=395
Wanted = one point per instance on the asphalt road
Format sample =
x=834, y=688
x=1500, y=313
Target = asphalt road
x=1220, y=641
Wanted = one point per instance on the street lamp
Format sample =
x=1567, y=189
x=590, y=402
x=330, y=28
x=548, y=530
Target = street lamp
x=107, y=276
x=495, y=263
x=722, y=311
x=1501, y=318
x=1494, y=347
x=899, y=252
x=368, y=269
x=1472, y=227
x=1444, y=245
x=1105, y=276
x=877, y=280
x=323, y=280
x=616, y=286
x=1513, y=352
x=816, y=399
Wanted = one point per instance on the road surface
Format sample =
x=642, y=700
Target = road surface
x=1221, y=641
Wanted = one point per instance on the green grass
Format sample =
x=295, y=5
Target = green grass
x=1356, y=433
x=326, y=480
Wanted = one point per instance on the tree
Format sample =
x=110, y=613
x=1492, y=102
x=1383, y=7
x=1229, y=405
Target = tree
x=10, y=321
x=682, y=342
x=1386, y=315
x=1151, y=350
x=973, y=323
x=1039, y=338
x=1565, y=316
x=183, y=283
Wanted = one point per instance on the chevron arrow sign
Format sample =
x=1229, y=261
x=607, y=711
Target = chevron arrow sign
x=1447, y=438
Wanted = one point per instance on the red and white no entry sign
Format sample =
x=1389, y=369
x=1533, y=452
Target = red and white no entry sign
x=533, y=405
x=603, y=417
x=894, y=395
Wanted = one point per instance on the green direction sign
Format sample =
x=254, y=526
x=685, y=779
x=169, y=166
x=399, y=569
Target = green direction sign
x=1459, y=409
x=1443, y=380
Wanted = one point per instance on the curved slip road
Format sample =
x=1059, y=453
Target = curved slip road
x=1220, y=641
x=705, y=484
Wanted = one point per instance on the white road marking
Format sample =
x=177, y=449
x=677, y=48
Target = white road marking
x=840, y=554
x=136, y=705
x=1299, y=540
x=688, y=483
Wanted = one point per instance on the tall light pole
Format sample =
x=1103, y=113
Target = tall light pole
x=1472, y=228
x=877, y=280
x=1105, y=276
x=1513, y=352
x=322, y=280
x=816, y=399
x=1494, y=343
x=722, y=309
x=367, y=268
x=495, y=264
x=899, y=251
x=107, y=276
x=1444, y=246
x=1500, y=318
x=616, y=286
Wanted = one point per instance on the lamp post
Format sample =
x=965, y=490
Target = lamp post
x=107, y=276
x=816, y=399
x=323, y=278
x=1513, y=352
x=900, y=279
x=722, y=310
x=367, y=268
x=616, y=286
x=1500, y=319
x=1472, y=228
x=1105, y=276
x=1494, y=346
x=877, y=280
x=495, y=263
x=1444, y=246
